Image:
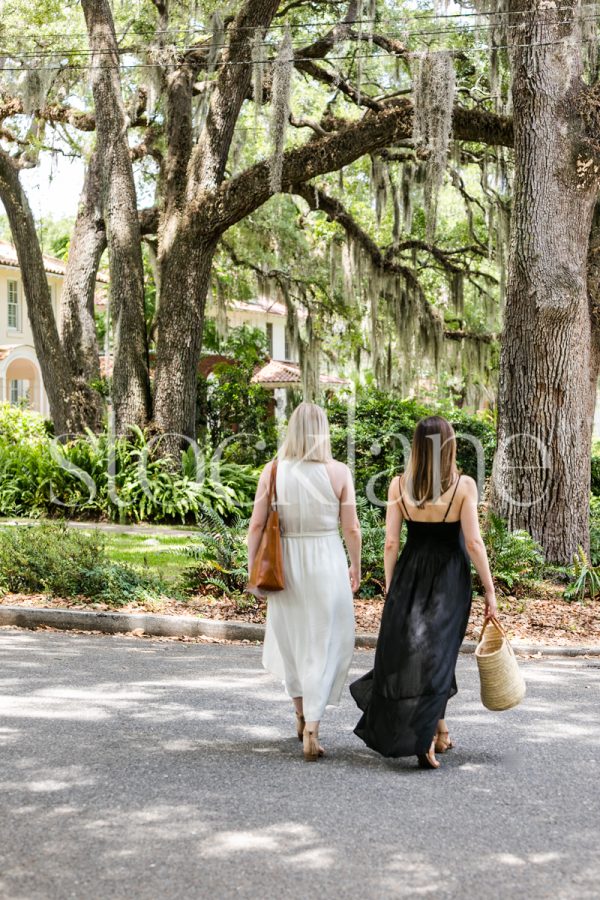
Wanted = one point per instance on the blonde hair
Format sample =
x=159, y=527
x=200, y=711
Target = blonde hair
x=307, y=436
x=432, y=464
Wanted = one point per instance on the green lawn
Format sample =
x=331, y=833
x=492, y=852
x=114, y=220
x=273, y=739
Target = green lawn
x=157, y=554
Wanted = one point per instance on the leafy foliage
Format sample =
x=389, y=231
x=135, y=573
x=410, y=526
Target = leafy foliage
x=586, y=581
x=373, y=540
x=595, y=530
x=97, y=476
x=232, y=413
x=515, y=558
x=18, y=424
x=68, y=563
x=220, y=556
x=595, y=469
x=380, y=428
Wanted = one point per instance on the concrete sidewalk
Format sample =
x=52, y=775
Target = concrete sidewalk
x=133, y=770
x=157, y=625
x=149, y=529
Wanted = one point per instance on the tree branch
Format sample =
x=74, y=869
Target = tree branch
x=336, y=212
x=54, y=113
x=208, y=161
x=214, y=212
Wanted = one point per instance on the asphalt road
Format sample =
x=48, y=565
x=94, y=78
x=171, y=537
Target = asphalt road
x=137, y=769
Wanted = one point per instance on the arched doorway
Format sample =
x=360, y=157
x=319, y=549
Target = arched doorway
x=22, y=384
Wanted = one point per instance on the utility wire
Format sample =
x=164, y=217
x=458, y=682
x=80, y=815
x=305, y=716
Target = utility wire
x=207, y=31
x=243, y=62
x=52, y=52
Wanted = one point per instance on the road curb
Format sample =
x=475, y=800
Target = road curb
x=157, y=625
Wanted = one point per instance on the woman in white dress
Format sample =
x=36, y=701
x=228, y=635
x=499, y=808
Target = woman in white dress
x=310, y=624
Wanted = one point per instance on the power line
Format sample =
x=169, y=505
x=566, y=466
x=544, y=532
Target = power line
x=52, y=52
x=243, y=62
x=207, y=31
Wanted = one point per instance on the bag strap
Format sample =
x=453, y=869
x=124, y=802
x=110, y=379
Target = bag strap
x=496, y=623
x=273, y=484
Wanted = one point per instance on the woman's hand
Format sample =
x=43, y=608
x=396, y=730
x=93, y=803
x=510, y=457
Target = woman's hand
x=491, y=608
x=354, y=574
x=255, y=591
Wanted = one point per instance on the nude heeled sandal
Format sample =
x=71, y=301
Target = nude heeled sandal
x=312, y=748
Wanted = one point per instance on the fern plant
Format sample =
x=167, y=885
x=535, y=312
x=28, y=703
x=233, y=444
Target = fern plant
x=515, y=557
x=586, y=580
x=220, y=555
x=97, y=476
x=372, y=527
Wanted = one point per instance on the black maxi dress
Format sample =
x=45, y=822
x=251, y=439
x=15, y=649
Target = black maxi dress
x=423, y=624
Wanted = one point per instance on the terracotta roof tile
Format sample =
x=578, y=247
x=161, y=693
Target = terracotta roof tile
x=53, y=265
x=280, y=372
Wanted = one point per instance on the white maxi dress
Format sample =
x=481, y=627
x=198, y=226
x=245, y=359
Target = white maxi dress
x=309, y=637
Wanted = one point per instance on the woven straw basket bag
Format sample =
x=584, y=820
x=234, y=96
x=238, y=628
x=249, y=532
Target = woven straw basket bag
x=502, y=684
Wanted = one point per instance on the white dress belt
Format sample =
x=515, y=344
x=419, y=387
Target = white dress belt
x=303, y=534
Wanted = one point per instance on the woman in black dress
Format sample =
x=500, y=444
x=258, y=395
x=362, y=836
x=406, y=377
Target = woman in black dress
x=428, y=599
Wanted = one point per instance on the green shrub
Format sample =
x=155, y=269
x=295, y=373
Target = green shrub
x=515, y=558
x=95, y=476
x=586, y=579
x=372, y=524
x=220, y=556
x=18, y=424
x=53, y=559
x=380, y=424
x=230, y=405
x=595, y=530
x=595, y=469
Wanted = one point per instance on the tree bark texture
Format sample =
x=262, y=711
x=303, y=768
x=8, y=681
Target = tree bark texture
x=186, y=245
x=130, y=376
x=541, y=473
x=69, y=406
x=88, y=242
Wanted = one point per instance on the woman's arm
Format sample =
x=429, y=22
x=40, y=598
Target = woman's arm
x=260, y=513
x=393, y=524
x=351, y=528
x=469, y=521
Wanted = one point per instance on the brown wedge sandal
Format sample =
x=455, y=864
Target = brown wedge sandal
x=443, y=742
x=300, y=723
x=425, y=759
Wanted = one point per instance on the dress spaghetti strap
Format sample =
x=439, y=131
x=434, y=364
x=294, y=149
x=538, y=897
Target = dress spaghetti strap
x=403, y=505
x=451, y=499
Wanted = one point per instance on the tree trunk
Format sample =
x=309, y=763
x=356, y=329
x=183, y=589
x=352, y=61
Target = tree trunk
x=130, y=377
x=78, y=326
x=185, y=276
x=69, y=405
x=185, y=250
x=593, y=287
x=541, y=475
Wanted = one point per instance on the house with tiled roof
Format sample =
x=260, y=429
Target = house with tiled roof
x=282, y=372
x=20, y=373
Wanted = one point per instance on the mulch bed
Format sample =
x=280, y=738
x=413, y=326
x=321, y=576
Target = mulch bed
x=543, y=618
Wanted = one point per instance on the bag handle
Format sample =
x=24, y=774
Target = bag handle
x=273, y=485
x=496, y=623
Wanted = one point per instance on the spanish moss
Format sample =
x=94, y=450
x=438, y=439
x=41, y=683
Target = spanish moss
x=282, y=82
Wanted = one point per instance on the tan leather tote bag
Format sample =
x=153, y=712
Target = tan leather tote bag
x=267, y=569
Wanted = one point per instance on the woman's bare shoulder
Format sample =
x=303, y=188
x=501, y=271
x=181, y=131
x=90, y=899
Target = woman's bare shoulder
x=395, y=485
x=467, y=486
x=267, y=469
x=339, y=468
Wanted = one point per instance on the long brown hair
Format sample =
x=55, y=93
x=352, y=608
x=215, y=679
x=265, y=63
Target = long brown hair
x=432, y=465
